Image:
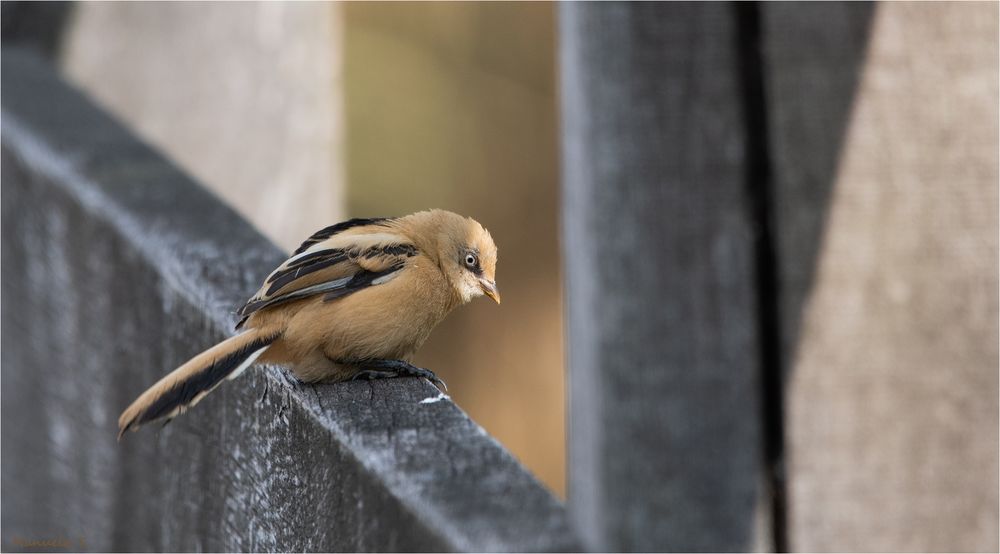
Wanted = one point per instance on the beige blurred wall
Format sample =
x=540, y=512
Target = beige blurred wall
x=892, y=396
x=452, y=105
x=245, y=96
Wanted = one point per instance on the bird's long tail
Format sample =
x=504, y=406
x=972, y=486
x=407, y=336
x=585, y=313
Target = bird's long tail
x=189, y=383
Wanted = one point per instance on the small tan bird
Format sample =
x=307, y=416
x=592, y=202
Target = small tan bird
x=356, y=299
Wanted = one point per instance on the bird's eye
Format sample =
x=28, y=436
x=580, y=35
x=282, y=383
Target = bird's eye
x=470, y=260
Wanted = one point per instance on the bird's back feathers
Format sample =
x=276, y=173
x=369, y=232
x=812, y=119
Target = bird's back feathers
x=338, y=228
x=350, y=259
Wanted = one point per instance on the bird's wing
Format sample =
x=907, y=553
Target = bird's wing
x=335, y=262
x=362, y=224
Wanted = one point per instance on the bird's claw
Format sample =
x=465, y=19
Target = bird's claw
x=397, y=368
x=434, y=379
x=373, y=374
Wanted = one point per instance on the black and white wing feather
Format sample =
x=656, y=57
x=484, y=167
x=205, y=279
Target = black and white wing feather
x=335, y=262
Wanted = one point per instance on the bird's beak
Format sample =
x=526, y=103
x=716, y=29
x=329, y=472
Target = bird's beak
x=490, y=289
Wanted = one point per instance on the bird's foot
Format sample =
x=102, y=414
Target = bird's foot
x=374, y=374
x=404, y=369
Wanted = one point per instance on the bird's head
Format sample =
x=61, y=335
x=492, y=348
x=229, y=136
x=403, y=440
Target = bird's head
x=467, y=255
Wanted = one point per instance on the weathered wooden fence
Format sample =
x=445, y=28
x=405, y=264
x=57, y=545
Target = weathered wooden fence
x=657, y=216
x=768, y=217
x=116, y=266
x=782, y=313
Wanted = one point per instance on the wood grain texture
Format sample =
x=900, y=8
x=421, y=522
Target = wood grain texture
x=117, y=267
x=665, y=433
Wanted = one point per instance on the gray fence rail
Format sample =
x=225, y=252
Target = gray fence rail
x=117, y=267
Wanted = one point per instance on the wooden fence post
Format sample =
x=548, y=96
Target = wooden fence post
x=664, y=430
